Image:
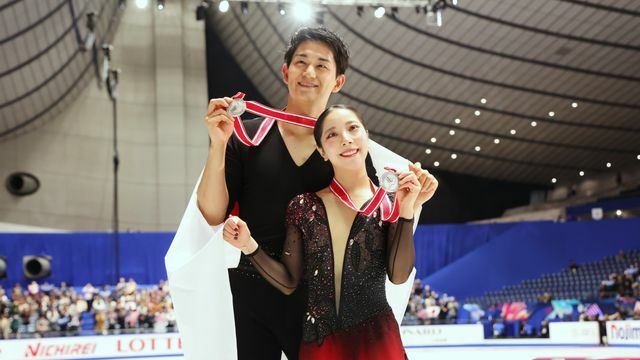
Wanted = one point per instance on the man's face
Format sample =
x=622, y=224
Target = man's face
x=311, y=76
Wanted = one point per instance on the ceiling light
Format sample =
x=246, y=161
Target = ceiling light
x=302, y=11
x=513, y=131
x=496, y=141
x=244, y=7
x=434, y=16
x=141, y=4
x=554, y=180
x=477, y=148
x=552, y=114
x=282, y=10
x=428, y=151
x=457, y=121
x=581, y=173
x=638, y=157
x=608, y=164
x=574, y=105
x=379, y=12
x=223, y=6
x=436, y=163
x=433, y=140
x=452, y=132
x=534, y=124
x=477, y=113
x=454, y=156
x=483, y=100
x=619, y=212
x=160, y=4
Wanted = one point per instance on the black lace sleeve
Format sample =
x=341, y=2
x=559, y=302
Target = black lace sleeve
x=400, y=251
x=284, y=275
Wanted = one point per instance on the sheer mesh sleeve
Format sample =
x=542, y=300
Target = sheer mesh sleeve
x=400, y=251
x=286, y=274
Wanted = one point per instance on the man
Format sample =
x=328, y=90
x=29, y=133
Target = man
x=262, y=180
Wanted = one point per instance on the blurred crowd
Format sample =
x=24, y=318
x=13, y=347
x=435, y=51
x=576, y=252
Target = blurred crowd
x=47, y=310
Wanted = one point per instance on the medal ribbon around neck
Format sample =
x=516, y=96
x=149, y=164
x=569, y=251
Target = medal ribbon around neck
x=388, y=211
x=270, y=115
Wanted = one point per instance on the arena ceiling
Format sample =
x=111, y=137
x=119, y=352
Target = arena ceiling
x=43, y=61
x=560, y=79
x=576, y=59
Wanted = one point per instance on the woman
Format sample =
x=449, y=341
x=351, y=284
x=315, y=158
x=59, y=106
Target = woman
x=341, y=254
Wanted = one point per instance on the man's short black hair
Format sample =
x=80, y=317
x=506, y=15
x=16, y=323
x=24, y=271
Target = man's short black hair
x=321, y=34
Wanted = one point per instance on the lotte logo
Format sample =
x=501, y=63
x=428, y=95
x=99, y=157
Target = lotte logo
x=138, y=345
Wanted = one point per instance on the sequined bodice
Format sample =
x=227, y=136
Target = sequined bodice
x=363, y=274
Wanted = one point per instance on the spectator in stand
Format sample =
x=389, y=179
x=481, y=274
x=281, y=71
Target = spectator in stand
x=5, y=324
x=130, y=287
x=42, y=325
x=33, y=288
x=632, y=270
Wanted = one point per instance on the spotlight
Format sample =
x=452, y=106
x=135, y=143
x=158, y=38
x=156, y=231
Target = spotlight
x=302, y=11
x=434, y=13
x=201, y=10
x=223, y=6
x=433, y=140
x=141, y=4
x=90, y=38
x=581, y=173
x=554, y=180
x=3, y=267
x=244, y=7
x=22, y=184
x=359, y=10
x=574, y=105
x=281, y=10
x=36, y=266
x=160, y=5
x=436, y=163
x=379, y=12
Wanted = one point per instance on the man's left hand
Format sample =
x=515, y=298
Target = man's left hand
x=428, y=184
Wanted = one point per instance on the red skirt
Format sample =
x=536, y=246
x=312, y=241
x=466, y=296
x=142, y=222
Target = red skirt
x=377, y=338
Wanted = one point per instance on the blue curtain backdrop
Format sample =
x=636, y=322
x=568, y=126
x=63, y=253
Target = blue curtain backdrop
x=79, y=258
x=459, y=259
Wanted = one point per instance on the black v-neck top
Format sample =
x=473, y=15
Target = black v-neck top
x=374, y=250
x=263, y=179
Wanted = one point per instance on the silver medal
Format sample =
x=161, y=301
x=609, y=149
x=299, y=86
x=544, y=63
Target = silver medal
x=237, y=107
x=389, y=181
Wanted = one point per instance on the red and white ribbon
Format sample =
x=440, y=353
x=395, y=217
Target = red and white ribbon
x=388, y=211
x=271, y=116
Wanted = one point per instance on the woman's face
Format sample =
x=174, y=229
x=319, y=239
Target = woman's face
x=345, y=141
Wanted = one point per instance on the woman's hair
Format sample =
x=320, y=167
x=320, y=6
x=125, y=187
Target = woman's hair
x=317, y=130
